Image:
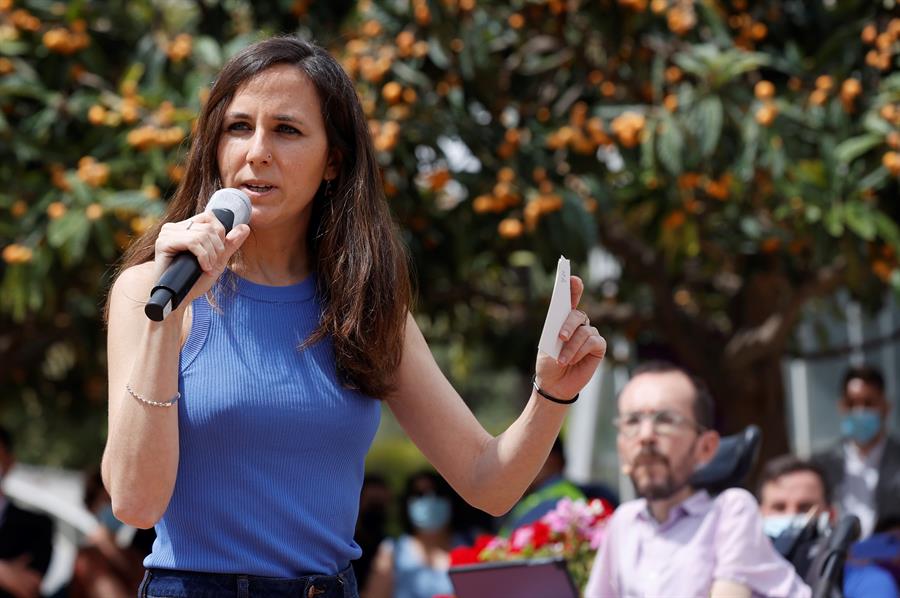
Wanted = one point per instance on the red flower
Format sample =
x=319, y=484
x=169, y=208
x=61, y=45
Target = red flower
x=482, y=541
x=541, y=534
x=464, y=555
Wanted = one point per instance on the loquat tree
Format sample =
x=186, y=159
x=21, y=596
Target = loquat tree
x=738, y=158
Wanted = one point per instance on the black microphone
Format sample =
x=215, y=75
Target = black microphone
x=231, y=207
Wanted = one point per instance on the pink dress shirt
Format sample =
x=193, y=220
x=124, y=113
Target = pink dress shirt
x=703, y=540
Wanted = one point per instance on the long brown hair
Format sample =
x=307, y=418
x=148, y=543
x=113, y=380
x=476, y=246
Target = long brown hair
x=361, y=266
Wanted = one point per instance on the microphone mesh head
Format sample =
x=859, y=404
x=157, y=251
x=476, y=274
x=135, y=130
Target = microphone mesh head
x=234, y=200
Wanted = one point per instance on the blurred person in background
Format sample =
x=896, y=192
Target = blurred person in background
x=103, y=569
x=676, y=540
x=239, y=424
x=415, y=564
x=371, y=525
x=544, y=492
x=26, y=538
x=863, y=468
x=793, y=493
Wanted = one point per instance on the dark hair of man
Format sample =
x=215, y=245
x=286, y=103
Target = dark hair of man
x=788, y=464
x=868, y=374
x=703, y=401
x=360, y=263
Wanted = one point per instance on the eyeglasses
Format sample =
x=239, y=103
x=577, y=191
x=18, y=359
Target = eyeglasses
x=664, y=423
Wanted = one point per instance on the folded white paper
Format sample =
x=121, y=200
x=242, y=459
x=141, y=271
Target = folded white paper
x=560, y=306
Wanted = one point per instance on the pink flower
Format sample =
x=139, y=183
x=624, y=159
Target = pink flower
x=568, y=515
x=520, y=538
x=596, y=536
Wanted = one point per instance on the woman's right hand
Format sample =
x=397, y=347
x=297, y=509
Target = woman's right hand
x=204, y=236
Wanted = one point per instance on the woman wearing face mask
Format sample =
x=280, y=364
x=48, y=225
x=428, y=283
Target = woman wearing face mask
x=415, y=564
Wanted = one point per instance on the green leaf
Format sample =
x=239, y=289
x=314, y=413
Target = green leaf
x=859, y=220
x=874, y=179
x=13, y=48
x=208, y=51
x=437, y=54
x=409, y=75
x=850, y=149
x=887, y=228
x=874, y=123
x=63, y=229
x=670, y=146
x=834, y=220
x=648, y=156
x=535, y=64
x=710, y=115
x=750, y=137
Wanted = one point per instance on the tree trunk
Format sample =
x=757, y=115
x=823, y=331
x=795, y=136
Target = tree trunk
x=753, y=394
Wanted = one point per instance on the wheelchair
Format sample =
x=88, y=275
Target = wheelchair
x=818, y=555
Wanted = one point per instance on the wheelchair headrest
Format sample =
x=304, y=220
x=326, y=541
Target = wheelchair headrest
x=731, y=464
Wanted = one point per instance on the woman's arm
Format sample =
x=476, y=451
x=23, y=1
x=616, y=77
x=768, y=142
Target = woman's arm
x=141, y=456
x=491, y=473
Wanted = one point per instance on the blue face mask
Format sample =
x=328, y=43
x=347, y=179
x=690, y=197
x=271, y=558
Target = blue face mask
x=429, y=513
x=861, y=425
x=775, y=525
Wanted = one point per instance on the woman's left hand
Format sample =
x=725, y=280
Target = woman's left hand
x=582, y=350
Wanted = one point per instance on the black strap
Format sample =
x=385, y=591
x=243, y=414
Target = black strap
x=550, y=397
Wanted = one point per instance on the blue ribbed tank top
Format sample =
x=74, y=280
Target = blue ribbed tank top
x=272, y=447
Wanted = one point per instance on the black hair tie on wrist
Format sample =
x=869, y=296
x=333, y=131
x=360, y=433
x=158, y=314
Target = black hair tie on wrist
x=550, y=397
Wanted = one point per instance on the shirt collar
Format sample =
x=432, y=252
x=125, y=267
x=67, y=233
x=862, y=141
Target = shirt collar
x=697, y=503
x=874, y=456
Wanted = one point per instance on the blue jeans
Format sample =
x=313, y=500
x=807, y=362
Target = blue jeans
x=167, y=583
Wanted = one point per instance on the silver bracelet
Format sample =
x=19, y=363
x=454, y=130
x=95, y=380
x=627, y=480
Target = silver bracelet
x=143, y=399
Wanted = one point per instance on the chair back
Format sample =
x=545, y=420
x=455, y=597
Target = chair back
x=731, y=464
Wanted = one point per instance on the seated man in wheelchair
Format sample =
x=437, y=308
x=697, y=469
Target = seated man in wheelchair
x=797, y=515
x=678, y=539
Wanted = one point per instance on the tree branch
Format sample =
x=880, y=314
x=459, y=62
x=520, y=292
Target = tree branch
x=832, y=352
x=770, y=336
x=688, y=335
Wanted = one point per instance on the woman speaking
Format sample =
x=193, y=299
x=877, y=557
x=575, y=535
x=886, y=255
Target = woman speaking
x=239, y=424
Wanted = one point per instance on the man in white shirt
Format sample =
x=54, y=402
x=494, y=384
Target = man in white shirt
x=864, y=468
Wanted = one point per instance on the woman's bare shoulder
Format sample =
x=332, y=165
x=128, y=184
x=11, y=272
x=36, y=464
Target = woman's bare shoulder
x=135, y=279
x=131, y=289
